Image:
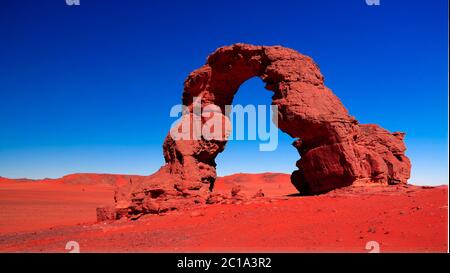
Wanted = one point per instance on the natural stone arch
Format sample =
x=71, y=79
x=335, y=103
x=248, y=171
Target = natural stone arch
x=335, y=150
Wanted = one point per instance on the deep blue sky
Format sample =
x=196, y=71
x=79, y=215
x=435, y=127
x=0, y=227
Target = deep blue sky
x=88, y=88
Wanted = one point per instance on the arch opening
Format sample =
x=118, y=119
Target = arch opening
x=242, y=163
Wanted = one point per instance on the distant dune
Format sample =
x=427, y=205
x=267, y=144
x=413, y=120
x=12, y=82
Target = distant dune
x=81, y=179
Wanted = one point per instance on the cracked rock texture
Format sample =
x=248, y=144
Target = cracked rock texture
x=335, y=149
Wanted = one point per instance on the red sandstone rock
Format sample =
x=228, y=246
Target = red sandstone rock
x=106, y=214
x=335, y=149
x=235, y=190
x=258, y=194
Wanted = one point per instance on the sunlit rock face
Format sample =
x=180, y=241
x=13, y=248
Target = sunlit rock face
x=335, y=149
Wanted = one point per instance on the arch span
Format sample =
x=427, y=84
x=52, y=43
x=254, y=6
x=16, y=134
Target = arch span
x=335, y=149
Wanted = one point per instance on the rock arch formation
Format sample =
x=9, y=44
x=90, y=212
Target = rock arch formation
x=335, y=149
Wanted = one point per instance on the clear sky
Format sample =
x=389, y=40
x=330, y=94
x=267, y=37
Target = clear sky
x=89, y=88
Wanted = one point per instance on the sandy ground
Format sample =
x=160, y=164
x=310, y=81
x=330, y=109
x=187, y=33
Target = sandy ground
x=43, y=216
x=35, y=205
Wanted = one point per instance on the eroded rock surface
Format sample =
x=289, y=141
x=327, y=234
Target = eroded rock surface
x=335, y=149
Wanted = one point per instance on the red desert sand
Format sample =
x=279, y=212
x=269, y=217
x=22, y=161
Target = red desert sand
x=42, y=216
